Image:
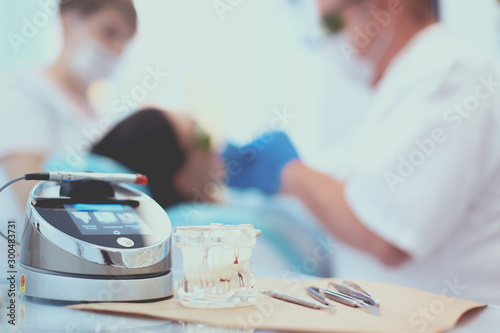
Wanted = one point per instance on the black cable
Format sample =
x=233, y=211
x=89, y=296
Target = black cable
x=28, y=176
x=12, y=182
x=7, y=238
x=15, y=180
x=37, y=176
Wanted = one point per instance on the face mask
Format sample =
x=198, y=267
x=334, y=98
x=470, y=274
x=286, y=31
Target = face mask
x=358, y=70
x=92, y=61
x=363, y=70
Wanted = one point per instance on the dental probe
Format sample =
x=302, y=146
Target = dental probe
x=297, y=300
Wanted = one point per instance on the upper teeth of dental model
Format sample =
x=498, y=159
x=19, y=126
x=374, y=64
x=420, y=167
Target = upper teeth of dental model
x=218, y=268
x=216, y=258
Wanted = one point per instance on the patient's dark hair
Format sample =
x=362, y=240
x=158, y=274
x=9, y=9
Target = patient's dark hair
x=88, y=7
x=146, y=143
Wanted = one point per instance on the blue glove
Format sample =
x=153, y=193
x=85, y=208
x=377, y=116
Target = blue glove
x=259, y=164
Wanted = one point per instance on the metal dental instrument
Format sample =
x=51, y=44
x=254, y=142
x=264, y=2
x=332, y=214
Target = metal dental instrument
x=350, y=301
x=314, y=293
x=297, y=300
x=358, y=288
x=354, y=290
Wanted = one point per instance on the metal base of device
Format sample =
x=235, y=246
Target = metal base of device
x=72, y=288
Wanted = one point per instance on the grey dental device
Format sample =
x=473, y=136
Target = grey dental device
x=94, y=241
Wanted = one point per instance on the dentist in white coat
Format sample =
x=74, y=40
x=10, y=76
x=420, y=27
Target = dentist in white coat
x=416, y=200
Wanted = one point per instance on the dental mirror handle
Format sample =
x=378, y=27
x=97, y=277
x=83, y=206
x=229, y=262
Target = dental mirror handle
x=338, y=297
x=297, y=300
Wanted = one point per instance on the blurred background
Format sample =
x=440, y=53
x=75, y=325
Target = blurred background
x=233, y=67
x=240, y=68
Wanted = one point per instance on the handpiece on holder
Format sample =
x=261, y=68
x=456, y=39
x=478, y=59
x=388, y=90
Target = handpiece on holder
x=72, y=180
x=64, y=176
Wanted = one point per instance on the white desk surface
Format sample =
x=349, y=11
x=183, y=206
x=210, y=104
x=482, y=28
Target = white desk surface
x=43, y=316
x=53, y=317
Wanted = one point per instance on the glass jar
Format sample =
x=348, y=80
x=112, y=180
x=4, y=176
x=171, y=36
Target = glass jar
x=216, y=262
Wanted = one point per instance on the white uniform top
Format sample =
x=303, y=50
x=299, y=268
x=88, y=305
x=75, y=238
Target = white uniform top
x=38, y=117
x=424, y=173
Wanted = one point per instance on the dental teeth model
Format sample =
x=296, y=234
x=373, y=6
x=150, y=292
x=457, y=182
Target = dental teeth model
x=216, y=262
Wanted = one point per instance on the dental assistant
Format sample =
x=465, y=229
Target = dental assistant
x=47, y=111
x=416, y=201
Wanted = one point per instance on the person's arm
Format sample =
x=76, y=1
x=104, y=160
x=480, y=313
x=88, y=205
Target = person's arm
x=324, y=196
x=18, y=165
x=26, y=130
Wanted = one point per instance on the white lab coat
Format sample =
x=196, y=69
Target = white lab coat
x=38, y=117
x=424, y=171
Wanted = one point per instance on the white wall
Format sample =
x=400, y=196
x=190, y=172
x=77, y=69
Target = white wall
x=477, y=21
x=234, y=71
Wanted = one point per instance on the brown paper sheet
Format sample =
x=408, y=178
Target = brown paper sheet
x=403, y=310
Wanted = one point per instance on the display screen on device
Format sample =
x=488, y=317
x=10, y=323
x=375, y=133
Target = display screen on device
x=107, y=219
